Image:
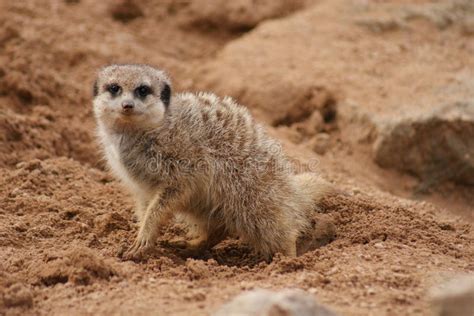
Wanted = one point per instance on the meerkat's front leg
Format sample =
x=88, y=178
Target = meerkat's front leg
x=158, y=212
x=140, y=208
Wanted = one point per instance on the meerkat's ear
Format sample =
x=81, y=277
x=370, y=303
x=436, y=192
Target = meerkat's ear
x=166, y=95
x=95, y=89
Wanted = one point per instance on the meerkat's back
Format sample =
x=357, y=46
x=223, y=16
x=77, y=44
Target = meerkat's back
x=221, y=124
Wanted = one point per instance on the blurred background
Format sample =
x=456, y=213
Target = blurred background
x=379, y=93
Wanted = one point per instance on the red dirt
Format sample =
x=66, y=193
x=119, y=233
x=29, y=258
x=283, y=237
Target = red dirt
x=64, y=221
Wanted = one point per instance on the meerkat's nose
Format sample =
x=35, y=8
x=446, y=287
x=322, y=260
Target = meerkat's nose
x=128, y=105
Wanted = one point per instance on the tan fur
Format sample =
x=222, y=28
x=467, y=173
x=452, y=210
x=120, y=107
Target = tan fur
x=205, y=158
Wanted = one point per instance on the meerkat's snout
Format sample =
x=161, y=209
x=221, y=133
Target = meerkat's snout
x=128, y=107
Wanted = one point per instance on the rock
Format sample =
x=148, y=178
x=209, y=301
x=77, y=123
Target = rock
x=454, y=298
x=436, y=146
x=287, y=302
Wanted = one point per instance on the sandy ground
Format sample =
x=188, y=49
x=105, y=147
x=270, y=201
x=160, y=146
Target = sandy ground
x=315, y=72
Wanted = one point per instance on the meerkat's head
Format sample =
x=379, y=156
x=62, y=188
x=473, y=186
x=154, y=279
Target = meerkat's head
x=131, y=96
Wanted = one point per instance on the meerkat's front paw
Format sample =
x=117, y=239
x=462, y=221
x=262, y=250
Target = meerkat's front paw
x=188, y=248
x=139, y=249
x=181, y=243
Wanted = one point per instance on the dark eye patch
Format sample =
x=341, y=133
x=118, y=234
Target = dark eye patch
x=166, y=95
x=95, y=89
x=114, y=89
x=143, y=91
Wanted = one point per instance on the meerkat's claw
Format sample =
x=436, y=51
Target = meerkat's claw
x=139, y=249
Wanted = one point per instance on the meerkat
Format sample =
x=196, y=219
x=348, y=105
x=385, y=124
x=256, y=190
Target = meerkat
x=202, y=157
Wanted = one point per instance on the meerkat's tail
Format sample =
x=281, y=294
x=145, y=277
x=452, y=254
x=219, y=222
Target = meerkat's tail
x=313, y=187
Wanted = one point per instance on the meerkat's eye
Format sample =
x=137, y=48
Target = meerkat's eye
x=142, y=91
x=114, y=89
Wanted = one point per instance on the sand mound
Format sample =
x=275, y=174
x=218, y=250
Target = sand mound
x=80, y=266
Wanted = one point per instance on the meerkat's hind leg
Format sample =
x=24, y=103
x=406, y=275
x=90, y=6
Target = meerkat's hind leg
x=197, y=246
x=208, y=232
x=202, y=235
x=189, y=242
x=286, y=248
x=277, y=236
x=289, y=249
x=194, y=233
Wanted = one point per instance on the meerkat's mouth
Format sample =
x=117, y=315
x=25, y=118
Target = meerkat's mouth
x=128, y=113
x=127, y=117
